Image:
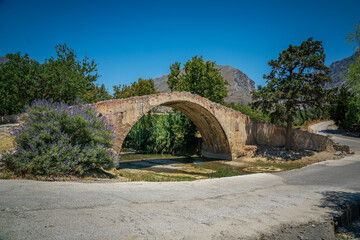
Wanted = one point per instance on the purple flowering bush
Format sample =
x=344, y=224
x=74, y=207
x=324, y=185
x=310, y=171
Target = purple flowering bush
x=58, y=139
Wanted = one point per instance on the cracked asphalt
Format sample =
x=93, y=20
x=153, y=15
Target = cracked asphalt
x=241, y=207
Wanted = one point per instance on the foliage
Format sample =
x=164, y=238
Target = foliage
x=96, y=93
x=346, y=110
x=20, y=78
x=139, y=135
x=247, y=110
x=200, y=78
x=355, y=37
x=56, y=139
x=64, y=78
x=294, y=83
x=353, y=76
x=163, y=133
x=139, y=88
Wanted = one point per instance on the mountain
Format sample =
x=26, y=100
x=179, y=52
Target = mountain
x=3, y=59
x=240, y=85
x=339, y=69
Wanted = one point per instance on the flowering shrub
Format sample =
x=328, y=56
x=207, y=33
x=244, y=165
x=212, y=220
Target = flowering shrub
x=56, y=138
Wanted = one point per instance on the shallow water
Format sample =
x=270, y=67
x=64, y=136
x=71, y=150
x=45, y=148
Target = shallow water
x=195, y=165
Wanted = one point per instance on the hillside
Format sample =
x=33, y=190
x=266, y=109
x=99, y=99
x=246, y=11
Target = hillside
x=339, y=69
x=3, y=59
x=240, y=85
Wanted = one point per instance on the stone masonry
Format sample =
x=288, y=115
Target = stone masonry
x=225, y=132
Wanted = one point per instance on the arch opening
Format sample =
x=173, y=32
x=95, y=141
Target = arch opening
x=215, y=143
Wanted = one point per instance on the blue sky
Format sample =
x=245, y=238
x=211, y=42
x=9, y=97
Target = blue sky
x=132, y=39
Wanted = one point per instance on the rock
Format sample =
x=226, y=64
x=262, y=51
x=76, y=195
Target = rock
x=338, y=153
x=339, y=70
x=342, y=230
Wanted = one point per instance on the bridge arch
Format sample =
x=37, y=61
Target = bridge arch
x=206, y=115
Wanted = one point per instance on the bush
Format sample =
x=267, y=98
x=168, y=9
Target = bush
x=58, y=139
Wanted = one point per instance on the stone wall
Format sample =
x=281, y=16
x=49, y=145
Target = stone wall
x=15, y=118
x=275, y=135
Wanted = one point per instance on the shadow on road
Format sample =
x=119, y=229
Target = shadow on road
x=345, y=208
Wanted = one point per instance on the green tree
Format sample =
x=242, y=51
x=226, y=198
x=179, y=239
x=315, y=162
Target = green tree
x=247, y=110
x=140, y=134
x=294, y=83
x=346, y=110
x=65, y=78
x=96, y=93
x=198, y=77
x=139, y=88
x=341, y=105
x=19, y=83
x=353, y=76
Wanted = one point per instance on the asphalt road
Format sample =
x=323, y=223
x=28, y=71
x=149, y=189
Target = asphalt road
x=241, y=207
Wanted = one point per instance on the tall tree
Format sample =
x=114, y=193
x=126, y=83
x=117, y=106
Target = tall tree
x=295, y=82
x=139, y=88
x=198, y=77
x=19, y=83
x=353, y=76
x=66, y=78
x=96, y=93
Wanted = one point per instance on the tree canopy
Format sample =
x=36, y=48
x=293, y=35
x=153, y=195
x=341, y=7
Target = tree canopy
x=198, y=77
x=139, y=88
x=20, y=78
x=295, y=82
x=66, y=78
x=63, y=78
x=96, y=93
x=353, y=76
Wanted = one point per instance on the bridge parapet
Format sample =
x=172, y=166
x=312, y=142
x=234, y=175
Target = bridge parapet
x=225, y=131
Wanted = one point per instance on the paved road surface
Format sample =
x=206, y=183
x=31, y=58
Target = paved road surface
x=241, y=207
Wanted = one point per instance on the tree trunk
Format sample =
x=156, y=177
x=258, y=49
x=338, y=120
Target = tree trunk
x=288, y=143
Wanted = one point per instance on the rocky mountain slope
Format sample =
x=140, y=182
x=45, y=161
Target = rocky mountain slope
x=339, y=69
x=3, y=59
x=240, y=85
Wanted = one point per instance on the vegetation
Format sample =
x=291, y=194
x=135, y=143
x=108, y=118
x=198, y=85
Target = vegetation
x=96, y=94
x=247, y=110
x=19, y=83
x=353, y=77
x=139, y=88
x=172, y=133
x=200, y=78
x=63, y=79
x=294, y=83
x=346, y=109
x=159, y=134
x=55, y=139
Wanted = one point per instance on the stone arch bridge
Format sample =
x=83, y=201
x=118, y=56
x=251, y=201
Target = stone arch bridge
x=225, y=132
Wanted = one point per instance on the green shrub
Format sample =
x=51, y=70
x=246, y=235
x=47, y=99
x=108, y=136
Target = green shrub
x=58, y=139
